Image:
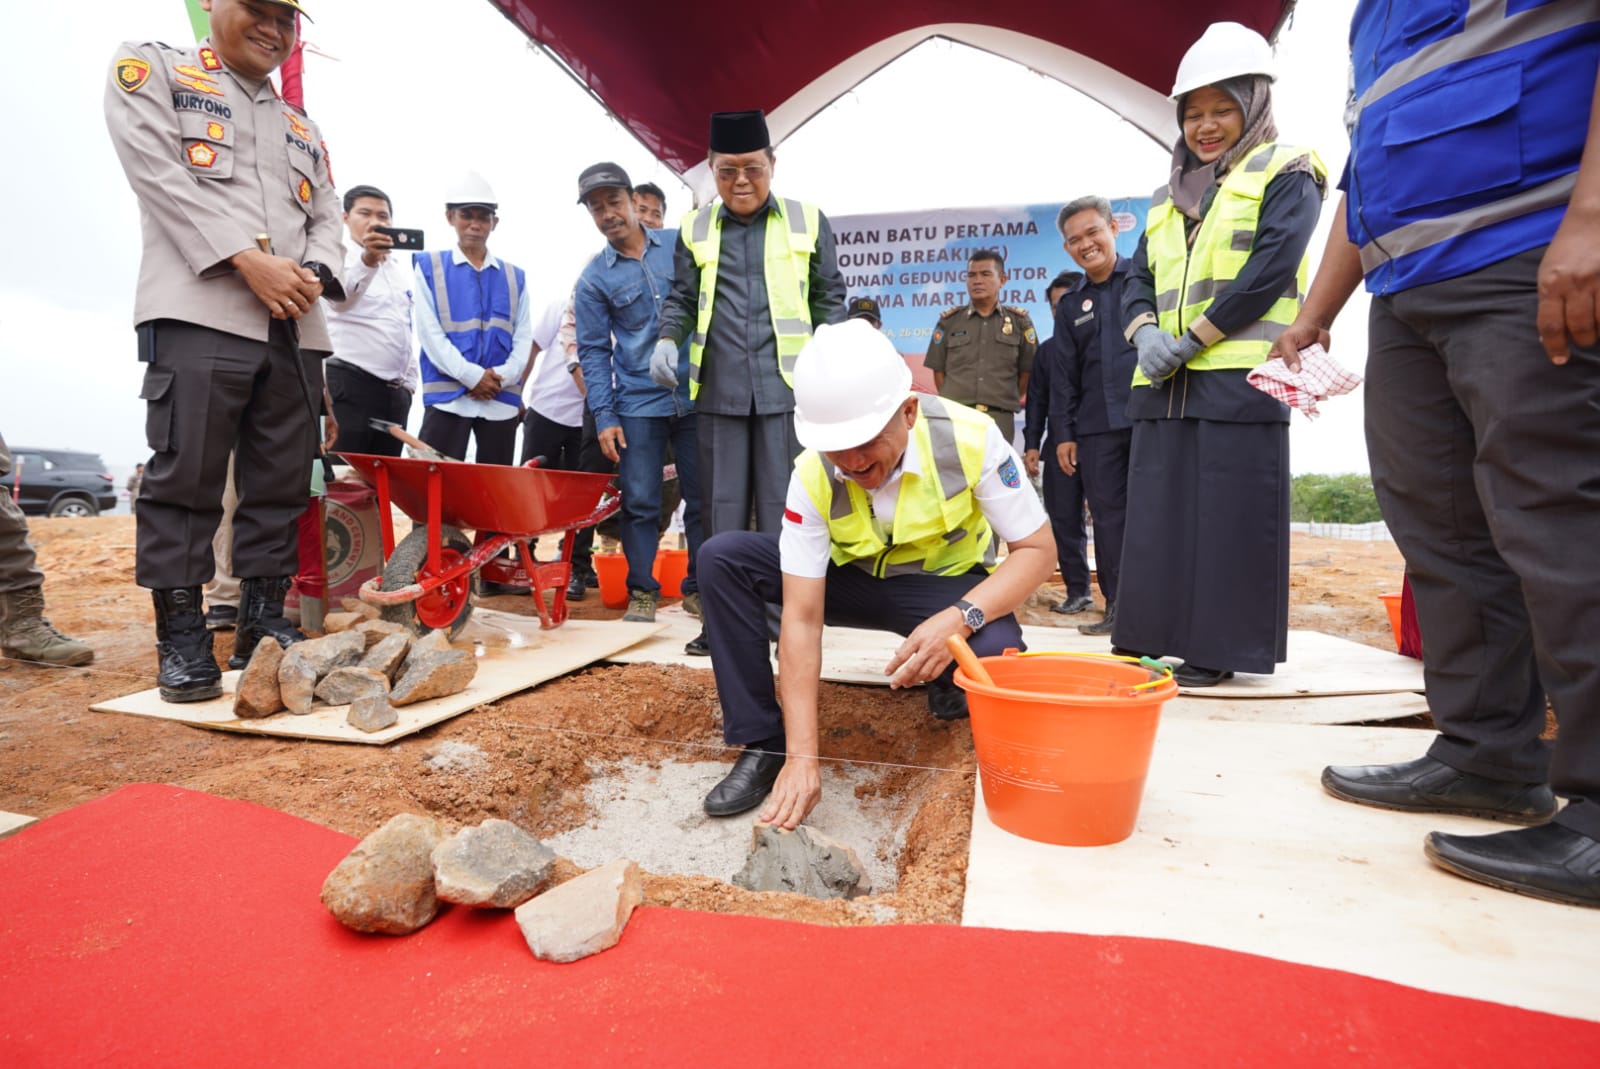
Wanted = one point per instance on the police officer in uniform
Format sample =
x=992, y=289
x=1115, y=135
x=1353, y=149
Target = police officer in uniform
x=241, y=231
x=1478, y=243
x=982, y=352
x=891, y=522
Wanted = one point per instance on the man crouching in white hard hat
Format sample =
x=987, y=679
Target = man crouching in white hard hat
x=891, y=522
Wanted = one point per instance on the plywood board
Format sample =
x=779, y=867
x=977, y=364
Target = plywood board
x=1312, y=709
x=513, y=655
x=11, y=823
x=1238, y=846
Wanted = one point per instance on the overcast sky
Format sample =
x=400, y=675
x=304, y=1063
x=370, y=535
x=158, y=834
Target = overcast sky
x=411, y=94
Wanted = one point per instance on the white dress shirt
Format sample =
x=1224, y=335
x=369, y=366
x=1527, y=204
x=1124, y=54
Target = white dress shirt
x=371, y=327
x=448, y=359
x=552, y=391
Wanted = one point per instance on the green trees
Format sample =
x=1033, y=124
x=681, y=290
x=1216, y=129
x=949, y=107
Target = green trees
x=1333, y=499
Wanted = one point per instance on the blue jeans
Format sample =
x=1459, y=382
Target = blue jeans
x=639, y=476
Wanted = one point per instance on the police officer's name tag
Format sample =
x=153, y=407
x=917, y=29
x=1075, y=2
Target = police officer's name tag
x=1081, y=320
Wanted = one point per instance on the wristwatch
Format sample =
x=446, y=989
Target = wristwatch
x=971, y=614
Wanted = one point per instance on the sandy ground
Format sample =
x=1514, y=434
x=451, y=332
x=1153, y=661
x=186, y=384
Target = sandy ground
x=585, y=761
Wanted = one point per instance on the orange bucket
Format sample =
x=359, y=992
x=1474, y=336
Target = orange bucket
x=612, y=571
x=1392, y=603
x=1064, y=743
x=672, y=568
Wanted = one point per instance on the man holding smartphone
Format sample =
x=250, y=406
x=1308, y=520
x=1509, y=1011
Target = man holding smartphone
x=373, y=371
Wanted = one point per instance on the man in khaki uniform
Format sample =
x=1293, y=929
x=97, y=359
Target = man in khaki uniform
x=241, y=237
x=982, y=351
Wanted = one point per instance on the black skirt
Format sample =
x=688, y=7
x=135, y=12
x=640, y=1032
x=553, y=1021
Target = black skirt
x=1205, y=558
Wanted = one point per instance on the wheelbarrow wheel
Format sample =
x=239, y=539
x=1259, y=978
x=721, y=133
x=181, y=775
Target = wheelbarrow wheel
x=444, y=608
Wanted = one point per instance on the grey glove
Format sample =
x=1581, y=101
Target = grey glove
x=664, y=364
x=1158, y=352
x=1189, y=347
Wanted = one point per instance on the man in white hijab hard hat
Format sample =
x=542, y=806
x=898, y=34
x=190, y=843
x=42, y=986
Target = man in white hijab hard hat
x=892, y=520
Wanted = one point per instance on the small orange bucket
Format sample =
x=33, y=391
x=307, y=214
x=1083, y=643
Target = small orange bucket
x=1064, y=743
x=612, y=571
x=1392, y=603
x=672, y=568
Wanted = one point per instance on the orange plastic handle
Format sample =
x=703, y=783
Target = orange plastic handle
x=968, y=660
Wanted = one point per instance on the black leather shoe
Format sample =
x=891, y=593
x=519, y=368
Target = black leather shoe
x=261, y=616
x=747, y=785
x=946, y=701
x=1103, y=625
x=1552, y=862
x=188, y=672
x=1428, y=785
x=698, y=646
x=1073, y=606
x=575, y=588
x=1193, y=675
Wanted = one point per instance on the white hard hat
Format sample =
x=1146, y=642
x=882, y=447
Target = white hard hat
x=1226, y=50
x=470, y=188
x=848, y=382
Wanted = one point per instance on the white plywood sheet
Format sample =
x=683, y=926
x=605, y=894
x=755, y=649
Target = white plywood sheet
x=1309, y=709
x=513, y=655
x=1238, y=846
x=11, y=823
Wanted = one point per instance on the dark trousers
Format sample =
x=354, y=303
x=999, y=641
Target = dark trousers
x=19, y=570
x=1063, y=502
x=208, y=393
x=651, y=440
x=1103, y=464
x=744, y=468
x=739, y=576
x=1484, y=457
x=448, y=433
x=590, y=458
x=359, y=397
x=557, y=443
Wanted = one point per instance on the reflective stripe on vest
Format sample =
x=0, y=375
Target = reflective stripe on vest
x=788, y=242
x=1469, y=122
x=485, y=338
x=938, y=525
x=1189, y=277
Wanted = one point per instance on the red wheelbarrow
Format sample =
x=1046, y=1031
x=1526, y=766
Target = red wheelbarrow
x=429, y=578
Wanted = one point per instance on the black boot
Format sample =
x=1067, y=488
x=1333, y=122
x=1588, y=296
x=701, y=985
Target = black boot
x=261, y=616
x=188, y=671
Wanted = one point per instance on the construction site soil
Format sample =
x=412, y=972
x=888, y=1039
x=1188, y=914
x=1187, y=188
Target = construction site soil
x=538, y=748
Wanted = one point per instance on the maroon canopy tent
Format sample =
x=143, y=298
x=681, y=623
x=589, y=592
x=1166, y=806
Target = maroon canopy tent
x=662, y=68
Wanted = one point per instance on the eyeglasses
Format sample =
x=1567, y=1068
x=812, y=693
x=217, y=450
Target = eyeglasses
x=751, y=171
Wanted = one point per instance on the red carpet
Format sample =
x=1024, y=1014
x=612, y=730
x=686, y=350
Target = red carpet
x=163, y=927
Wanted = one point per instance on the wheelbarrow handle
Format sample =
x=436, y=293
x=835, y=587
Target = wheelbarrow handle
x=393, y=429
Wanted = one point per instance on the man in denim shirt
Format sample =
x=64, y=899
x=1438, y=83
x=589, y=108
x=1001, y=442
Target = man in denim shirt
x=618, y=303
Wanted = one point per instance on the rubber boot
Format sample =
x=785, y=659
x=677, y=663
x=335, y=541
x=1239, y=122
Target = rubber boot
x=188, y=671
x=27, y=636
x=261, y=616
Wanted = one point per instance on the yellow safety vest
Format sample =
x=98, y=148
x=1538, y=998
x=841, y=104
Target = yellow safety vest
x=938, y=526
x=1190, y=276
x=791, y=238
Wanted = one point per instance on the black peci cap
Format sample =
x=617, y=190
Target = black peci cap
x=735, y=132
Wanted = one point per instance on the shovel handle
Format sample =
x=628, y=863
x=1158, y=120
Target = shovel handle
x=968, y=660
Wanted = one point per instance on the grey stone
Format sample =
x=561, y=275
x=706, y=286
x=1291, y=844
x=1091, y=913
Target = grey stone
x=372, y=712
x=297, y=680
x=583, y=916
x=803, y=861
x=433, y=674
x=432, y=642
x=257, y=693
x=496, y=864
x=339, y=650
x=344, y=685
x=388, y=655
x=361, y=608
x=375, y=631
x=386, y=883
x=340, y=621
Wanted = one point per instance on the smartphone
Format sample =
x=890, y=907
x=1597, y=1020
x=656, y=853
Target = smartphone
x=404, y=240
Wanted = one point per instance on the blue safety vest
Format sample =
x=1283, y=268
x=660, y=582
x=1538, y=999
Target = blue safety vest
x=1468, y=120
x=478, y=311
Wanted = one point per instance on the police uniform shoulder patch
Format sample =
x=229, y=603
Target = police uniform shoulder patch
x=948, y=312
x=1030, y=336
x=208, y=59
x=938, y=335
x=1021, y=313
x=131, y=74
x=1008, y=473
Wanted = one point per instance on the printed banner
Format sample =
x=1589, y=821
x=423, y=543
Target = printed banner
x=914, y=263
